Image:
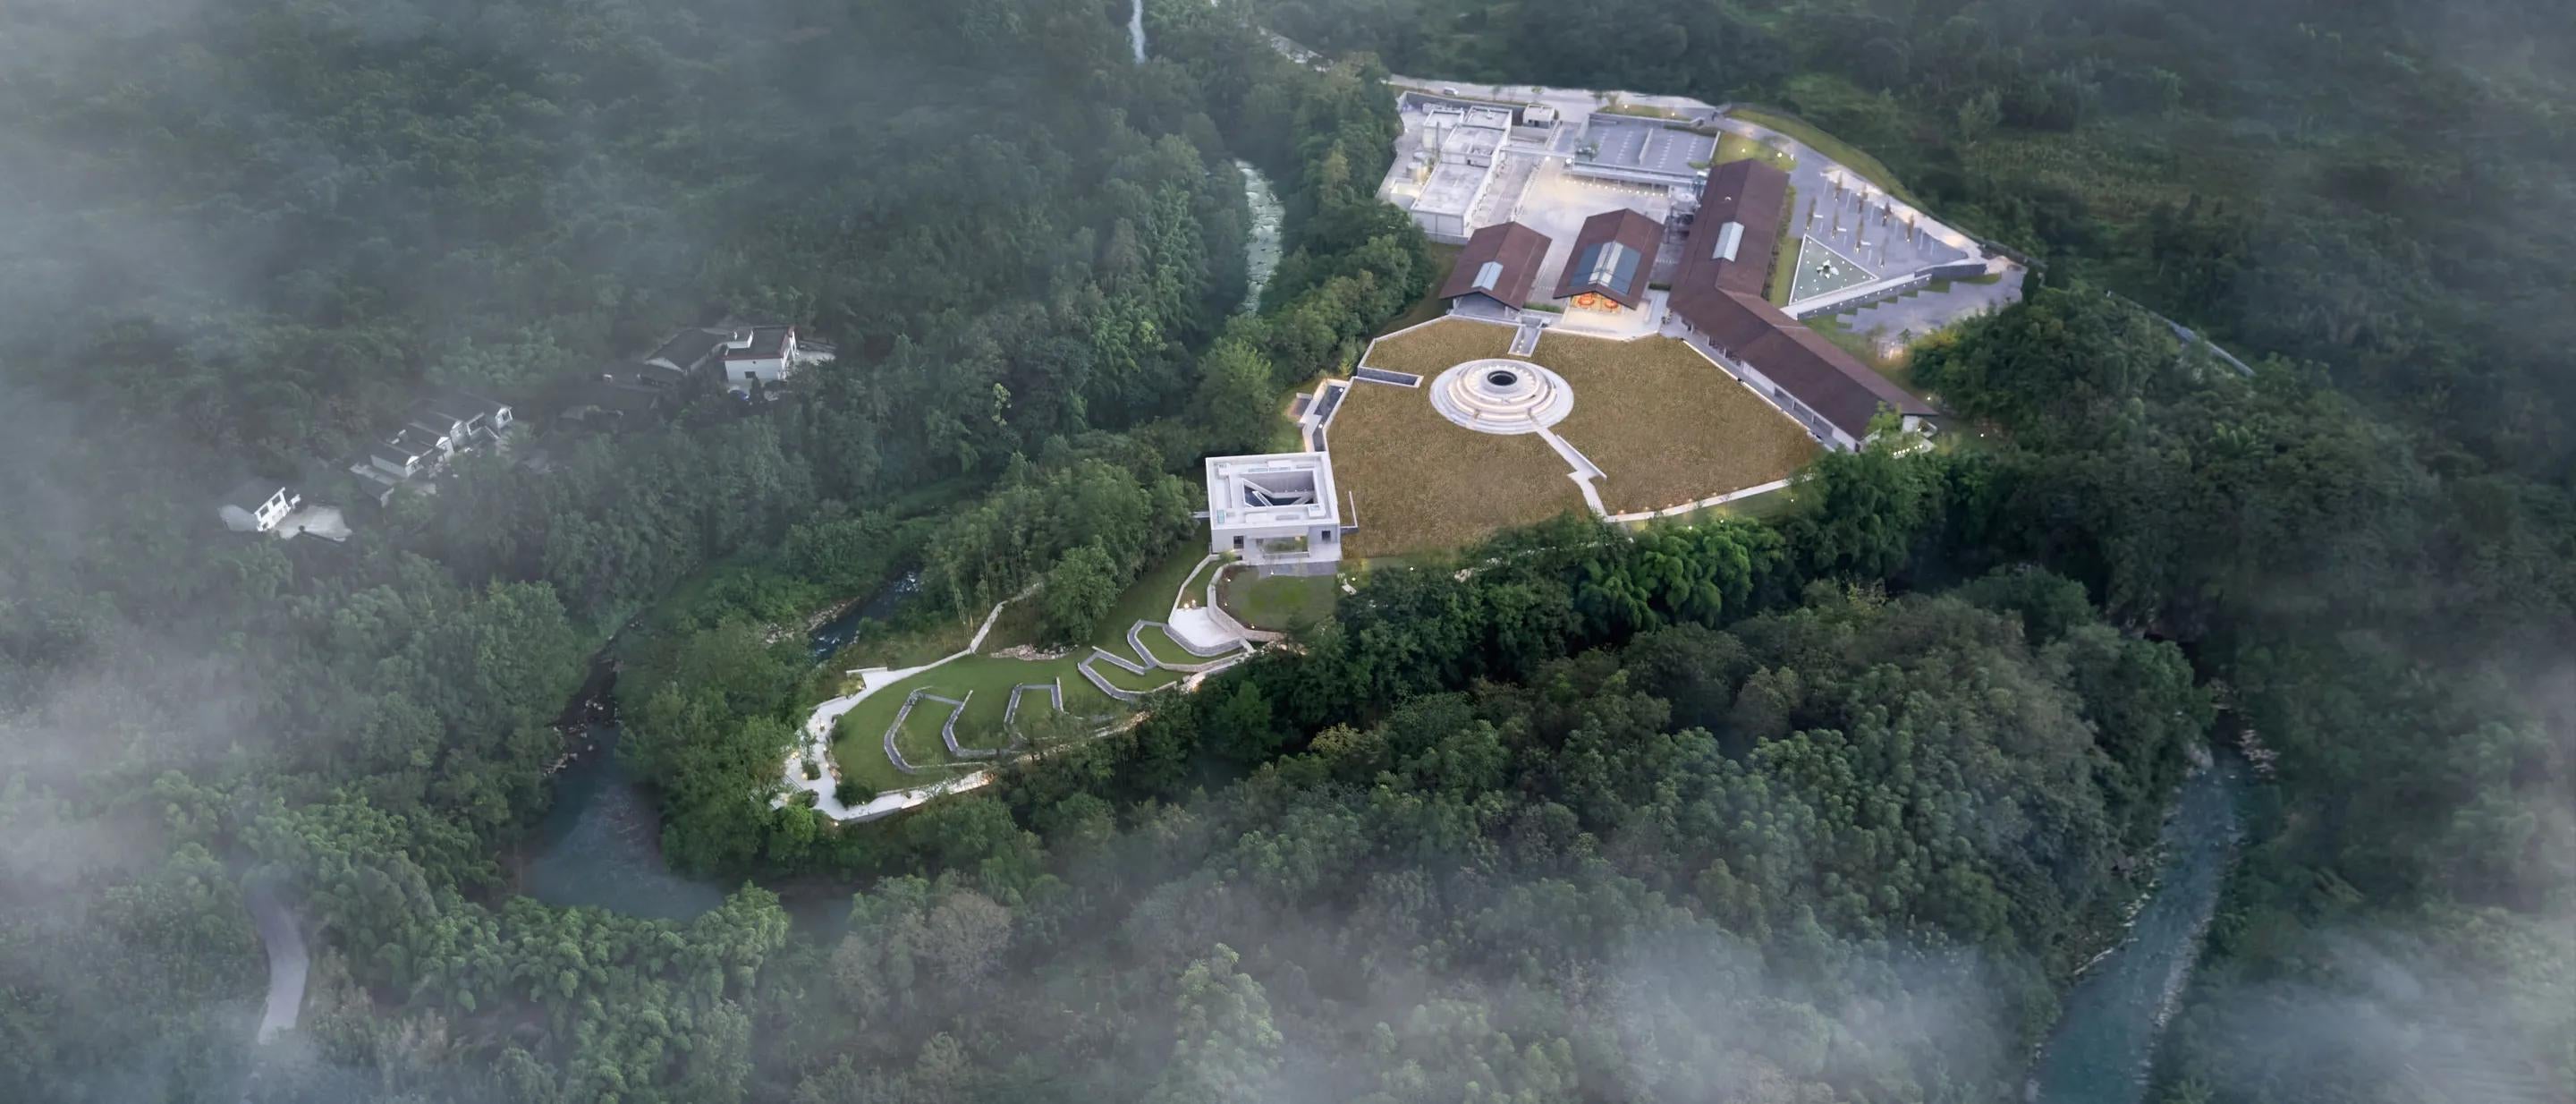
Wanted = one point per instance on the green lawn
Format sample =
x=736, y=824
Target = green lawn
x=887, y=647
x=1120, y=678
x=1784, y=257
x=1665, y=425
x=858, y=741
x=1150, y=597
x=1279, y=602
x=1835, y=149
x=1641, y=111
x=1736, y=147
x=1165, y=648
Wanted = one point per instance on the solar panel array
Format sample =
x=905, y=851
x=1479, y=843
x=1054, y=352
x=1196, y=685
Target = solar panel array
x=1608, y=264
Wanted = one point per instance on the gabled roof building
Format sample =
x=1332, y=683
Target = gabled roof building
x=1613, y=256
x=1496, y=270
x=1718, y=292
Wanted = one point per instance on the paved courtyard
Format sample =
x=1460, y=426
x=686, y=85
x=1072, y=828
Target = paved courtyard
x=1556, y=202
x=1861, y=222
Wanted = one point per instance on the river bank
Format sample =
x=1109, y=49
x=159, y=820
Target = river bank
x=2105, y=1039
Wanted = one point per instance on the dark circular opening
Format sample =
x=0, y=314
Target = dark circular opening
x=1502, y=377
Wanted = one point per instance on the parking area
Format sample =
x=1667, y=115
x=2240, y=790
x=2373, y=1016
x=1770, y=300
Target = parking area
x=1860, y=223
x=1937, y=307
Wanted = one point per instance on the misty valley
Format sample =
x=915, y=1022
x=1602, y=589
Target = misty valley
x=801, y=552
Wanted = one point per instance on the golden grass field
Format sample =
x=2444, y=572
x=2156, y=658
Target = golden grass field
x=1428, y=351
x=1666, y=426
x=1419, y=482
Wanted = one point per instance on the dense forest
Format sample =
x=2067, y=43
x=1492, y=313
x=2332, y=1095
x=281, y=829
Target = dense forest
x=1831, y=806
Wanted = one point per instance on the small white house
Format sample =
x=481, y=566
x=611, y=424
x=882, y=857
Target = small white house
x=1279, y=512
x=759, y=354
x=256, y=506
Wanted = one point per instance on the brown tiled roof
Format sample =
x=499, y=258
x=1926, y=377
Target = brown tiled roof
x=1749, y=193
x=1724, y=300
x=1626, y=228
x=1827, y=379
x=1519, y=250
x=1734, y=322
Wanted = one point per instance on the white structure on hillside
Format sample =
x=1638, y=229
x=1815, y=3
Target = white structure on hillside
x=739, y=357
x=256, y=506
x=1277, y=511
x=1456, y=165
x=432, y=433
x=757, y=353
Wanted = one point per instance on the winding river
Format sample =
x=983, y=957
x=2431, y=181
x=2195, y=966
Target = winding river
x=1261, y=248
x=601, y=843
x=834, y=634
x=2104, y=1042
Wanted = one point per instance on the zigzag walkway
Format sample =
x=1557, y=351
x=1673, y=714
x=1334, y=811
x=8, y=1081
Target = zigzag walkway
x=1054, y=691
x=947, y=732
x=1136, y=640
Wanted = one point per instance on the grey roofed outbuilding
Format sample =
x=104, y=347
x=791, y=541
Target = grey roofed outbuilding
x=687, y=349
x=766, y=342
x=251, y=494
x=1515, y=252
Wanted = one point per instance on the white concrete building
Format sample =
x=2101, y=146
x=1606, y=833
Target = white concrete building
x=757, y=354
x=1463, y=152
x=256, y=506
x=1279, y=512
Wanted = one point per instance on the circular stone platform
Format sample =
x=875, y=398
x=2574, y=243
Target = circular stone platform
x=1502, y=396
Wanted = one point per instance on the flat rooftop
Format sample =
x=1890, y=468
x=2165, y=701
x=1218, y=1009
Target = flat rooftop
x=1470, y=141
x=1273, y=489
x=1643, y=146
x=1452, y=188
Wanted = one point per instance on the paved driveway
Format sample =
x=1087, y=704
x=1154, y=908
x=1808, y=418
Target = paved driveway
x=1925, y=312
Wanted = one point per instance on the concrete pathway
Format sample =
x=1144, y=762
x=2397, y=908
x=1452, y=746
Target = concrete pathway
x=1585, y=471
